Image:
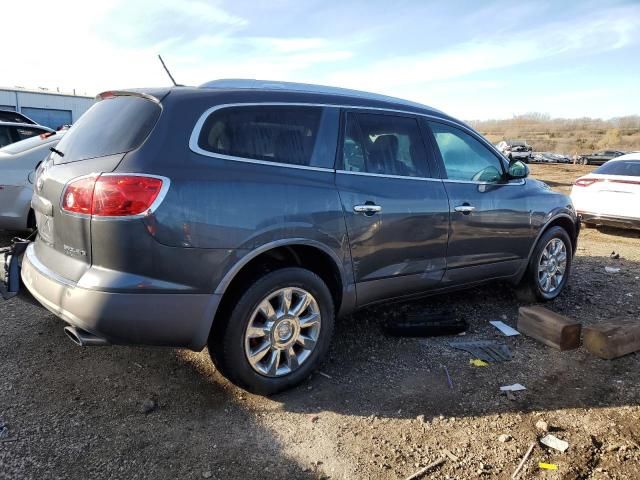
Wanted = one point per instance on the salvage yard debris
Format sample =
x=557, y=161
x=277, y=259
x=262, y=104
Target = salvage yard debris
x=424, y=470
x=516, y=387
x=554, y=442
x=516, y=473
x=486, y=350
x=504, y=328
x=548, y=466
x=612, y=269
x=429, y=324
x=550, y=328
x=476, y=362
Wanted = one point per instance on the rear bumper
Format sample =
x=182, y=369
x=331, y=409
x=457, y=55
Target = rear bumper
x=166, y=319
x=611, y=221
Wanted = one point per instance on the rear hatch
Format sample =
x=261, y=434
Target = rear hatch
x=617, y=196
x=118, y=123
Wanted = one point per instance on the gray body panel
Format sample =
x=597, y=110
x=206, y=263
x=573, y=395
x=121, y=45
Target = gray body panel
x=138, y=280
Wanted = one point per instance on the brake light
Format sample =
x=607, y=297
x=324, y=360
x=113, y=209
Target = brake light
x=111, y=195
x=78, y=196
x=585, y=182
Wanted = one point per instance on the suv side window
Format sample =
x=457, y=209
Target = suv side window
x=297, y=135
x=464, y=157
x=5, y=136
x=24, y=133
x=384, y=144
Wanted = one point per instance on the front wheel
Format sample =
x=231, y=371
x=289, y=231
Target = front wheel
x=549, y=266
x=277, y=333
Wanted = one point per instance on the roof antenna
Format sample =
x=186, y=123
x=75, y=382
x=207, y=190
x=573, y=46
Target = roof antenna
x=167, y=70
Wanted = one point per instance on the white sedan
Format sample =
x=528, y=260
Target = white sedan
x=610, y=195
x=17, y=169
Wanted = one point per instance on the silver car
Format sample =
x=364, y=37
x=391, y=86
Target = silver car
x=17, y=167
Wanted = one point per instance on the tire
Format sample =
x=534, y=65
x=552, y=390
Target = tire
x=530, y=289
x=585, y=161
x=230, y=345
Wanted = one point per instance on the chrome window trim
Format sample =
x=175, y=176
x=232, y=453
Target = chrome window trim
x=195, y=134
x=384, y=175
x=505, y=184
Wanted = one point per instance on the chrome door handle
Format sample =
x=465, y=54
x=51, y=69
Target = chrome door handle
x=367, y=209
x=464, y=208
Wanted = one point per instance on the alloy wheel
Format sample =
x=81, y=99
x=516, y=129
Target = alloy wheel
x=552, y=265
x=282, y=332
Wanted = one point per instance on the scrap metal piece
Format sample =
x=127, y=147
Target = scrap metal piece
x=486, y=350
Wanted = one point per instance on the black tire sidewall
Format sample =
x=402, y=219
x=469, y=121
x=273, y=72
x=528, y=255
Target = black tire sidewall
x=532, y=280
x=233, y=360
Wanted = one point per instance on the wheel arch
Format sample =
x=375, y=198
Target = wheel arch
x=303, y=253
x=563, y=220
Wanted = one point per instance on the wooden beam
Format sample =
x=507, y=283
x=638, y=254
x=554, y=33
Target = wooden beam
x=613, y=339
x=548, y=327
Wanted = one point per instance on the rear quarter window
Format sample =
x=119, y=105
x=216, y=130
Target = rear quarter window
x=295, y=135
x=114, y=125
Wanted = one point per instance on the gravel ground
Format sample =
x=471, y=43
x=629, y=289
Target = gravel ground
x=381, y=408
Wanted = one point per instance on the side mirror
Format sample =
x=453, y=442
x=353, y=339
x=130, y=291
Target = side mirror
x=518, y=169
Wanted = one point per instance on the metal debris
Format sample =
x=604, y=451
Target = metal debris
x=486, y=350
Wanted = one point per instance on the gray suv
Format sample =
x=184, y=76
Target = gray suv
x=248, y=215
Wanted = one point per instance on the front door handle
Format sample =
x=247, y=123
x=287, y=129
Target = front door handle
x=367, y=209
x=465, y=208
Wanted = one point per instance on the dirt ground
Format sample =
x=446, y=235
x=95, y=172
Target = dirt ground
x=382, y=407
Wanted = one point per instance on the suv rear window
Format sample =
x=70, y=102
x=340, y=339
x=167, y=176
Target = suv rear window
x=630, y=168
x=296, y=135
x=115, y=125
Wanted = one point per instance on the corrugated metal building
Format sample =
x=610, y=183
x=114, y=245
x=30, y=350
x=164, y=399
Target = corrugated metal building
x=51, y=109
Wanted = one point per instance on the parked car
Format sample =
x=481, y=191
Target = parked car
x=516, y=150
x=246, y=216
x=610, y=195
x=15, y=117
x=549, y=157
x=18, y=162
x=599, y=158
x=14, y=132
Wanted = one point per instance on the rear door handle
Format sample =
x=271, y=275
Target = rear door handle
x=367, y=209
x=466, y=208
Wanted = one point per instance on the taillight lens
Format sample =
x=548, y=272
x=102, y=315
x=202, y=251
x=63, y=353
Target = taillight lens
x=585, y=182
x=78, y=196
x=111, y=195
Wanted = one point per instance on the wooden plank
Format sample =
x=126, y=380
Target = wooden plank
x=613, y=339
x=548, y=327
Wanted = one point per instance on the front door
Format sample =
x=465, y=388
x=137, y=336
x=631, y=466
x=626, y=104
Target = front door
x=490, y=215
x=397, y=215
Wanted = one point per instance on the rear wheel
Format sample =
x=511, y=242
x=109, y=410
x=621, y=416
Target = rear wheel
x=549, y=267
x=277, y=333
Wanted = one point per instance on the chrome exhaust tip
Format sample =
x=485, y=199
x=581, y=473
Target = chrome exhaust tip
x=84, y=339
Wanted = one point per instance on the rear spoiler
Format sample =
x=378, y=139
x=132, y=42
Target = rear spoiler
x=154, y=95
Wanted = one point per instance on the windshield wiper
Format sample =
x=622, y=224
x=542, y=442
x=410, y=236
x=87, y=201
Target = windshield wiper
x=55, y=150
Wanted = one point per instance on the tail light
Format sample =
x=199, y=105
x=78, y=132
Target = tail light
x=585, y=182
x=111, y=195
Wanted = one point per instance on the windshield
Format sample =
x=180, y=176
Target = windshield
x=629, y=168
x=32, y=142
x=115, y=125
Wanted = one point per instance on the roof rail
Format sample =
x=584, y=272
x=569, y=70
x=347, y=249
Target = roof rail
x=252, y=84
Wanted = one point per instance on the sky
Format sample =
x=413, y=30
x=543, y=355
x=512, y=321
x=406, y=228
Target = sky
x=473, y=60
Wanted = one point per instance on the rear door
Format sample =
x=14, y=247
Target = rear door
x=397, y=214
x=95, y=144
x=490, y=216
